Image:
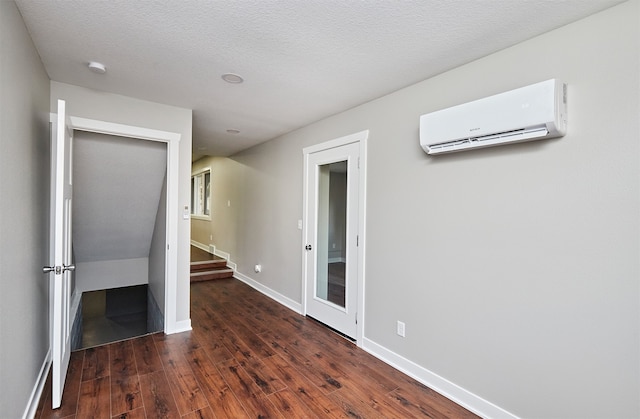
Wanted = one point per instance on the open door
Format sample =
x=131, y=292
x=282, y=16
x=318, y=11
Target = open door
x=60, y=244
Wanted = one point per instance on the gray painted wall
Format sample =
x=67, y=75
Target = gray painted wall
x=24, y=217
x=515, y=268
x=226, y=176
x=157, y=252
x=116, y=189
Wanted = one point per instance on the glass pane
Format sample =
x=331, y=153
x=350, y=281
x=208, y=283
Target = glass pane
x=207, y=192
x=193, y=195
x=331, y=233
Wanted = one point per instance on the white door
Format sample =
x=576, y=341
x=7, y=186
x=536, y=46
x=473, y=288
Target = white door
x=60, y=244
x=331, y=245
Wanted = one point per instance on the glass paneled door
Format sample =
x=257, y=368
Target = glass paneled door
x=331, y=248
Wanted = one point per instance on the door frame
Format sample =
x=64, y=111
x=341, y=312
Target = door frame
x=172, y=139
x=361, y=139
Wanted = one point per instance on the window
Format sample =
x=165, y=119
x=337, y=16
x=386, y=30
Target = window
x=201, y=194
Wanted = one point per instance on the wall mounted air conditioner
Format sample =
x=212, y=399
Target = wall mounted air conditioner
x=529, y=113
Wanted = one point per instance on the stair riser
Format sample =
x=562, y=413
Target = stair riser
x=208, y=268
x=211, y=276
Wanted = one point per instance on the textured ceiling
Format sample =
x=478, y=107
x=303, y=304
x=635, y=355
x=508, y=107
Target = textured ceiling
x=302, y=60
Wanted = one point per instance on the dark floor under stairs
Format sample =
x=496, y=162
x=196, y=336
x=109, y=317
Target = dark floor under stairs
x=209, y=267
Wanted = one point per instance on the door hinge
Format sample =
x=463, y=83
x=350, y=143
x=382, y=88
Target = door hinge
x=357, y=240
x=358, y=162
x=356, y=317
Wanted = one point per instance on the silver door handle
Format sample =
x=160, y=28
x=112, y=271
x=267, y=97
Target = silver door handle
x=58, y=269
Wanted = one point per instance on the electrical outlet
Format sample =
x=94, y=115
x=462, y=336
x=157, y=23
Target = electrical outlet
x=400, y=329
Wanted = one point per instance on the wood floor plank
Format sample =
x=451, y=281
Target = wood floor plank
x=327, y=380
x=125, y=394
x=364, y=397
x=157, y=397
x=133, y=414
x=125, y=385
x=96, y=363
x=249, y=394
x=221, y=398
x=123, y=361
x=146, y=355
x=290, y=405
x=205, y=413
x=185, y=388
x=307, y=393
x=95, y=399
x=426, y=402
x=214, y=346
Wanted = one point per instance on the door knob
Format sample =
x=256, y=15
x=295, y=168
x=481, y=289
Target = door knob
x=58, y=269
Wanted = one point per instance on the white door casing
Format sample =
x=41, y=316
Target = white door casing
x=318, y=159
x=172, y=139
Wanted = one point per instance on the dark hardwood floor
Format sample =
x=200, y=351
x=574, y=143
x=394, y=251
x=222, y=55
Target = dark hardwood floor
x=246, y=357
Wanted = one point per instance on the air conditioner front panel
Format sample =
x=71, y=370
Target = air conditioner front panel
x=527, y=108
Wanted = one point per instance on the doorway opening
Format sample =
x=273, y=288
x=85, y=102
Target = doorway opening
x=119, y=236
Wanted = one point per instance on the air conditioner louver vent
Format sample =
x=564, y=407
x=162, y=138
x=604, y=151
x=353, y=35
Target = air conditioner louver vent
x=487, y=140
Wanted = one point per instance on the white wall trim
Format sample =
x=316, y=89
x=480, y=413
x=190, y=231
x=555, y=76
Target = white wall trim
x=111, y=128
x=36, y=393
x=199, y=245
x=274, y=295
x=172, y=139
x=451, y=391
x=214, y=251
x=178, y=326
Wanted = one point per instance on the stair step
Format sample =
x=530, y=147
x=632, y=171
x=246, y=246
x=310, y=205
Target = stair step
x=207, y=265
x=212, y=274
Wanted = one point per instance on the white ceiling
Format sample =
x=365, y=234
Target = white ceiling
x=302, y=60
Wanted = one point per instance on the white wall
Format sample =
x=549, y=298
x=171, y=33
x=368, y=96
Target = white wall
x=106, y=274
x=86, y=103
x=515, y=269
x=24, y=204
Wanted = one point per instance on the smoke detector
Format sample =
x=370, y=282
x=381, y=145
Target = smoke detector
x=97, y=67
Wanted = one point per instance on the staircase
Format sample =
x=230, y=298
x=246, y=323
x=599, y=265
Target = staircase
x=207, y=270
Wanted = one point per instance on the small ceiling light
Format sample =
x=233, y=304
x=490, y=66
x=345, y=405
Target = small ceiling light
x=233, y=131
x=232, y=78
x=97, y=67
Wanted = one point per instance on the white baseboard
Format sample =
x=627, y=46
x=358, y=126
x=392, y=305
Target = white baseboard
x=177, y=327
x=451, y=391
x=199, y=245
x=36, y=393
x=274, y=295
x=214, y=251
